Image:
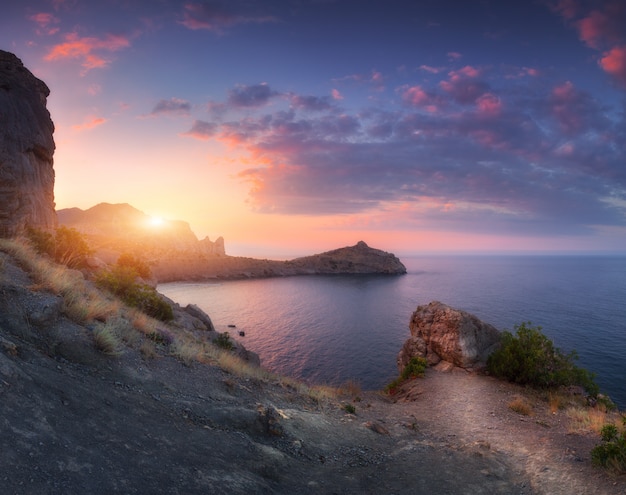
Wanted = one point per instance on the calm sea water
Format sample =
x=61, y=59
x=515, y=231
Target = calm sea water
x=330, y=329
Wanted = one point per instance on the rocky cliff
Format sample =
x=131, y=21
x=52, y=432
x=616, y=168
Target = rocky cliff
x=26, y=150
x=441, y=333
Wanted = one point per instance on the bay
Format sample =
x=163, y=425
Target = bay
x=331, y=329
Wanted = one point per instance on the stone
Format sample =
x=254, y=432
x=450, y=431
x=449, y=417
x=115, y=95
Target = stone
x=26, y=150
x=441, y=333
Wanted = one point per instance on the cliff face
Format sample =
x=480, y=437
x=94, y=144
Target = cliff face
x=26, y=150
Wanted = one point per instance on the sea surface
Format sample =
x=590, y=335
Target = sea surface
x=331, y=329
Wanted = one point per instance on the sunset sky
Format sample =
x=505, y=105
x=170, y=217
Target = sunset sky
x=295, y=126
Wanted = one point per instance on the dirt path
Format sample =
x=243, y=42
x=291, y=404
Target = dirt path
x=470, y=412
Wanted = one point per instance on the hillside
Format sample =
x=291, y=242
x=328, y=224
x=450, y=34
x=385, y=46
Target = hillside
x=151, y=418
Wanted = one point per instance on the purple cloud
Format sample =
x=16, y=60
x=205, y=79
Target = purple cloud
x=217, y=16
x=173, y=106
x=257, y=95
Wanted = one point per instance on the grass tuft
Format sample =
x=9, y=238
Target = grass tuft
x=521, y=406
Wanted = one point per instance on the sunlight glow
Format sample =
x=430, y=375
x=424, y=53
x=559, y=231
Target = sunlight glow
x=156, y=221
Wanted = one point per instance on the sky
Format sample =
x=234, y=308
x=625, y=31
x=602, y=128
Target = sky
x=291, y=127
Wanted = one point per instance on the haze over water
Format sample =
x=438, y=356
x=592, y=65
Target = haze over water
x=336, y=328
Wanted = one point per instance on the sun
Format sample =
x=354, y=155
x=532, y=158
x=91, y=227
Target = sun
x=156, y=221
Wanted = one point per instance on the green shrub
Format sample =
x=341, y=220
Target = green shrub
x=67, y=246
x=530, y=358
x=416, y=367
x=349, y=408
x=135, y=263
x=611, y=453
x=223, y=340
x=122, y=282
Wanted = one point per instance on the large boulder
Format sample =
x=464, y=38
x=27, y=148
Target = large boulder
x=26, y=150
x=441, y=333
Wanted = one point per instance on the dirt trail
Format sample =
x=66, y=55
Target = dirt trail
x=468, y=411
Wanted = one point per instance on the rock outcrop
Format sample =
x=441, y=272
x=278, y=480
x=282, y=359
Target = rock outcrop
x=26, y=150
x=441, y=333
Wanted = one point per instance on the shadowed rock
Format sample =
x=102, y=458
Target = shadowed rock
x=26, y=150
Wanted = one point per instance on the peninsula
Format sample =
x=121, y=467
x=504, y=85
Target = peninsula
x=175, y=253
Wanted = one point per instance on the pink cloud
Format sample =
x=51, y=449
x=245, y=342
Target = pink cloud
x=90, y=123
x=336, y=95
x=432, y=70
x=489, y=105
x=614, y=63
x=46, y=22
x=417, y=96
x=454, y=55
x=84, y=49
x=593, y=28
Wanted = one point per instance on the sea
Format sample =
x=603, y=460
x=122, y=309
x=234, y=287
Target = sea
x=332, y=329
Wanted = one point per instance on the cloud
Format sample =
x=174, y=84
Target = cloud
x=173, y=106
x=218, y=16
x=202, y=130
x=540, y=160
x=87, y=49
x=310, y=103
x=614, y=63
x=244, y=96
x=47, y=23
x=90, y=123
x=601, y=29
x=464, y=85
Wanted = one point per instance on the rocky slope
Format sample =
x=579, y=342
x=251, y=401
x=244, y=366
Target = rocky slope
x=26, y=150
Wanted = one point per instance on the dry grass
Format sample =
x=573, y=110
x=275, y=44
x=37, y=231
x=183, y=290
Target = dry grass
x=557, y=401
x=142, y=322
x=592, y=419
x=521, y=406
x=106, y=340
x=81, y=302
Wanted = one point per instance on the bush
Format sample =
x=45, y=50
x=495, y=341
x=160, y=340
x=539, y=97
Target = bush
x=135, y=263
x=67, y=246
x=416, y=367
x=223, y=341
x=611, y=453
x=530, y=358
x=122, y=282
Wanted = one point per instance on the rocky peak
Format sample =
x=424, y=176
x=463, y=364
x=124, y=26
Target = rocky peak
x=26, y=150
